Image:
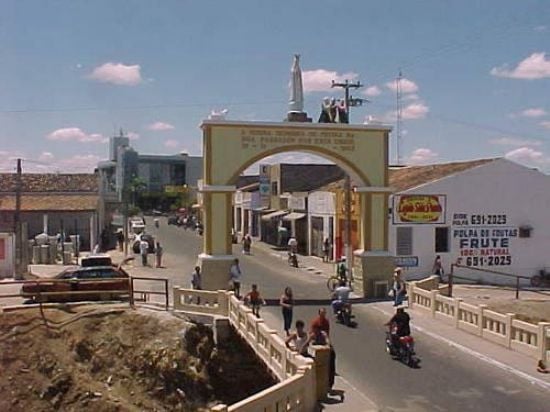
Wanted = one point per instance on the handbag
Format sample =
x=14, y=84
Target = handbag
x=391, y=293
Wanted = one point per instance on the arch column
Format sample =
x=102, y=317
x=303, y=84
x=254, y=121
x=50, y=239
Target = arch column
x=373, y=261
x=217, y=256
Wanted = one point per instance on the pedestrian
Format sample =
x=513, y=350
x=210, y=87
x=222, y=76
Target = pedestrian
x=254, y=300
x=342, y=269
x=398, y=287
x=299, y=339
x=321, y=324
x=235, y=278
x=326, y=250
x=438, y=268
x=143, y=250
x=287, y=306
x=293, y=245
x=120, y=239
x=247, y=244
x=196, y=281
x=158, y=255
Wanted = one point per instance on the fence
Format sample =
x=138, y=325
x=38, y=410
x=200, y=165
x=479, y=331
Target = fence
x=503, y=329
x=299, y=376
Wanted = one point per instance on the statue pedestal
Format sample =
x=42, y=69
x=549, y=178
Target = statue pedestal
x=370, y=268
x=299, y=117
x=215, y=271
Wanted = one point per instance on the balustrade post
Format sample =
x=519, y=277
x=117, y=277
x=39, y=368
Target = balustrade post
x=509, y=318
x=412, y=291
x=481, y=320
x=543, y=340
x=177, y=297
x=456, y=302
x=322, y=370
x=223, y=304
x=433, y=294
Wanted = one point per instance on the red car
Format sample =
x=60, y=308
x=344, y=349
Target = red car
x=110, y=282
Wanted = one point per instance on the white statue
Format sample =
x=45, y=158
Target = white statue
x=296, y=102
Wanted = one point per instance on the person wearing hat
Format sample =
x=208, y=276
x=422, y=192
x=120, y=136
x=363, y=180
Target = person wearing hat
x=398, y=287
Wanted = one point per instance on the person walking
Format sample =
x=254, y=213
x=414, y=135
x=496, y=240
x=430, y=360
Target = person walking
x=196, y=278
x=438, y=268
x=120, y=239
x=254, y=300
x=292, y=245
x=398, y=287
x=287, y=305
x=235, y=278
x=326, y=250
x=247, y=244
x=143, y=250
x=158, y=255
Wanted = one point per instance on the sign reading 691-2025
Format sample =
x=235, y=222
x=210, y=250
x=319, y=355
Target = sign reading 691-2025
x=488, y=219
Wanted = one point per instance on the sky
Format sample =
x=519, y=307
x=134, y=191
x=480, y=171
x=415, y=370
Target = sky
x=475, y=74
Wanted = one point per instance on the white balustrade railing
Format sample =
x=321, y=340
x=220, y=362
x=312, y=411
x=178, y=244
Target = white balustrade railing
x=296, y=390
x=503, y=329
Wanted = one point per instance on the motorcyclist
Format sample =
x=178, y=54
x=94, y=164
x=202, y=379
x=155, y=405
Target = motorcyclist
x=401, y=321
x=157, y=223
x=340, y=297
x=342, y=270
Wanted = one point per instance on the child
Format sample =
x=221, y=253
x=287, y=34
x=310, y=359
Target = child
x=254, y=300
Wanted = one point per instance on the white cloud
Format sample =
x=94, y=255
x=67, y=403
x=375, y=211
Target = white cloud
x=528, y=156
x=512, y=141
x=320, y=80
x=407, y=86
x=132, y=135
x=533, y=67
x=171, y=143
x=117, y=73
x=541, y=28
x=78, y=163
x=69, y=134
x=412, y=96
x=422, y=156
x=46, y=156
x=545, y=124
x=415, y=111
x=533, y=112
x=160, y=126
x=372, y=91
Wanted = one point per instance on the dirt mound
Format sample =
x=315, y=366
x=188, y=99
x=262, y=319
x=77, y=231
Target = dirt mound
x=106, y=359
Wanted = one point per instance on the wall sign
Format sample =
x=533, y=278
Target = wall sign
x=419, y=209
x=483, y=239
x=406, y=261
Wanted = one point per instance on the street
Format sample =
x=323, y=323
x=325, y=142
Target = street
x=447, y=380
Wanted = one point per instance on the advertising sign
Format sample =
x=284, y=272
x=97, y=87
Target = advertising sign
x=419, y=209
x=406, y=261
x=483, y=239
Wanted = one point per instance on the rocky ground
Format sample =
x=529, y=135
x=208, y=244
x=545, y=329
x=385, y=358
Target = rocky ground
x=112, y=358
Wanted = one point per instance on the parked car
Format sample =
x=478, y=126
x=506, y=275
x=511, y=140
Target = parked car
x=96, y=279
x=148, y=238
x=173, y=220
x=96, y=260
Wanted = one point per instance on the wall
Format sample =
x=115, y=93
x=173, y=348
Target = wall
x=321, y=204
x=7, y=253
x=512, y=195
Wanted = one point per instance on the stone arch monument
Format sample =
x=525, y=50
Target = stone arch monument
x=229, y=147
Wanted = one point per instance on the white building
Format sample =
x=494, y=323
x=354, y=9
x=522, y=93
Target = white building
x=321, y=221
x=491, y=214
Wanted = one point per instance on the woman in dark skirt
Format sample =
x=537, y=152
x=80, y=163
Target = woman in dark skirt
x=287, y=305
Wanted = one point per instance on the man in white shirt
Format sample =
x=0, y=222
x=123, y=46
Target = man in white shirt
x=143, y=250
x=340, y=297
x=235, y=277
x=293, y=245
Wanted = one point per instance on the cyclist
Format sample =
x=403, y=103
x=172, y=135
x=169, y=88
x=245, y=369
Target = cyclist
x=342, y=270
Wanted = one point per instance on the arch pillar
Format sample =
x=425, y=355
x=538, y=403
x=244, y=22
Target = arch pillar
x=373, y=262
x=217, y=256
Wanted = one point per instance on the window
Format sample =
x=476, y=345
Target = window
x=404, y=241
x=441, y=239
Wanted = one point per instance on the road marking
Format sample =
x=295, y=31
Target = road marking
x=494, y=362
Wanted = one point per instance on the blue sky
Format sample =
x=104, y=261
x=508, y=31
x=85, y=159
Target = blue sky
x=72, y=72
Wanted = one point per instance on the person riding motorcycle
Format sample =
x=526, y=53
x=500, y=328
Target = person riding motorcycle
x=340, y=297
x=342, y=270
x=401, y=322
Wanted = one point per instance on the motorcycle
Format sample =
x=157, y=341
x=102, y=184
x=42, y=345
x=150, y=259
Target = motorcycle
x=292, y=259
x=344, y=315
x=401, y=347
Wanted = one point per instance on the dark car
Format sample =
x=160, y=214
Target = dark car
x=173, y=220
x=102, y=283
x=149, y=239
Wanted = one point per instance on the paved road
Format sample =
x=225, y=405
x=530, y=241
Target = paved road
x=448, y=380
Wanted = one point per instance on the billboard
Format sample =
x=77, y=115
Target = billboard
x=419, y=209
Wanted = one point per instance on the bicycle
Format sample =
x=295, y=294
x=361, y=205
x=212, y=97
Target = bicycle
x=334, y=281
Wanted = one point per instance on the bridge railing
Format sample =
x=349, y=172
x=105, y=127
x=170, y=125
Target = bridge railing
x=297, y=389
x=501, y=328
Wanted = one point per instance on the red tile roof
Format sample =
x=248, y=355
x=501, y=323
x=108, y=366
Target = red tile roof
x=50, y=182
x=50, y=202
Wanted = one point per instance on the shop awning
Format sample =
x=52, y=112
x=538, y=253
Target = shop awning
x=263, y=209
x=294, y=216
x=271, y=215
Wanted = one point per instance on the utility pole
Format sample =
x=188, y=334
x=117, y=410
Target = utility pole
x=398, y=117
x=348, y=101
x=17, y=221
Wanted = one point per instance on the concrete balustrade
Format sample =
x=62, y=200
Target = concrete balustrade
x=302, y=380
x=503, y=329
